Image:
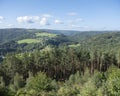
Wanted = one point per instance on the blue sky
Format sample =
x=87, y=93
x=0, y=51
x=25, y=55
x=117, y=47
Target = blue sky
x=60, y=14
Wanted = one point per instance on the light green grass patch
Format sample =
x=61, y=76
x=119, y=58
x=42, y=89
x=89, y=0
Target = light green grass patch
x=74, y=45
x=46, y=35
x=28, y=41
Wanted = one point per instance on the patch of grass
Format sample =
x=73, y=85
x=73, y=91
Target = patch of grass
x=74, y=45
x=28, y=41
x=46, y=35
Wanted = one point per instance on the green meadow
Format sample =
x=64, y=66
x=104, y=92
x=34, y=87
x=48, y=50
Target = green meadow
x=28, y=41
x=46, y=35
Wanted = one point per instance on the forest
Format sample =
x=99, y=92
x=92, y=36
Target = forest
x=59, y=63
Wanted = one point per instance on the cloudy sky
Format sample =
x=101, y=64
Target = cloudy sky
x=60, y=14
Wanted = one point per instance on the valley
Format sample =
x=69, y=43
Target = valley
x=65, y=64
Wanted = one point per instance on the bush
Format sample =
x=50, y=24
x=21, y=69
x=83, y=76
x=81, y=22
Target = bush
x=88, y=89
x=68, y=91
x=113, y=81
x=41, y=83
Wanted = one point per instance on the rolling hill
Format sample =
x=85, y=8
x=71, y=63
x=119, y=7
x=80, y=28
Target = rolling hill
x=30, y=39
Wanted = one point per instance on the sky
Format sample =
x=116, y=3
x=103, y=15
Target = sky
x=60, y=14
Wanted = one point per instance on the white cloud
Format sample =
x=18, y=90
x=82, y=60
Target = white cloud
x=1, y=17
x=27, y=19
x=72, y=13
x=58, y=22
x=36, y=18
x=47, y=15
x=10, y=25
x=44, y=21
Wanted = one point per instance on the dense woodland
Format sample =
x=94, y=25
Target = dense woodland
x=52, y=67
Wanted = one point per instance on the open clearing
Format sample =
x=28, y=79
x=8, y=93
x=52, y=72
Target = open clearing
x=28, y=41
x=46, y=35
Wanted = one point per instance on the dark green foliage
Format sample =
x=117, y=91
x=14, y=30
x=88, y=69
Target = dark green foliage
x=9, y=40
x=85, y=35
x=14, y=34
x=106, y=41
x=18, y=82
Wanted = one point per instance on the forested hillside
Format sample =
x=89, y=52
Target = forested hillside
x=106, y=41
x=15, y=39
x=42, y=63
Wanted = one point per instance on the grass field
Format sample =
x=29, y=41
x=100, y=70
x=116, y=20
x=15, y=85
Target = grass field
x=28, y=41
x=46, y=35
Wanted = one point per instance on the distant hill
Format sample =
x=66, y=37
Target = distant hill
x=64, y=32
x=15, y=34
x=7, y=35
x=104, y=41
x=86, y=35
x=29, y=39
